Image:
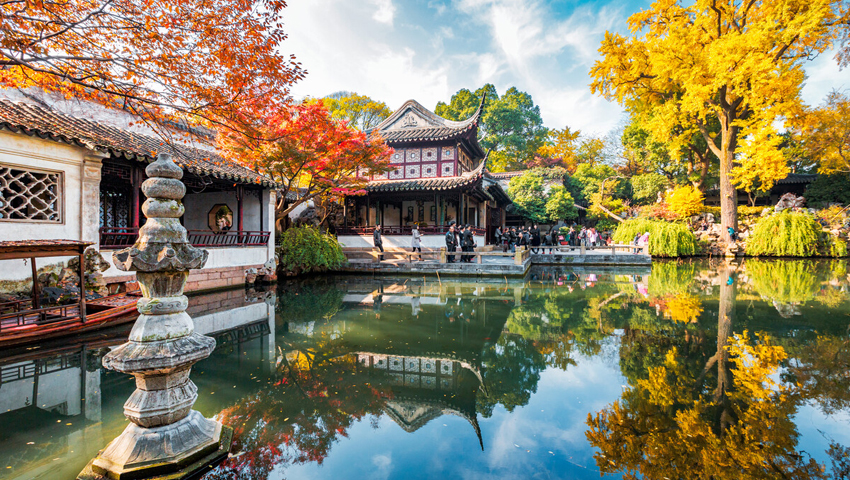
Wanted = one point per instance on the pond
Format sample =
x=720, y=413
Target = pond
x=690, y=370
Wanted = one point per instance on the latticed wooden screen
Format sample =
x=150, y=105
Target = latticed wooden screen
x=30, y=194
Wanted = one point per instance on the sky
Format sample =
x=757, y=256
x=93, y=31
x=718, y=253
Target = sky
x=394, y=50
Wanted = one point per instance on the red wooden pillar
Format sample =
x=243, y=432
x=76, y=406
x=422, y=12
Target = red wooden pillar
x=240, y=194
x=82, y=258
x=35, y=301
x=136, y=183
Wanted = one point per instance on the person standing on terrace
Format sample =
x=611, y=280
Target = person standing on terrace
x=416, y=241
x=379, y=242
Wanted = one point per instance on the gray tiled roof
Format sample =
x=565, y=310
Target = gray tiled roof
x=49, y=124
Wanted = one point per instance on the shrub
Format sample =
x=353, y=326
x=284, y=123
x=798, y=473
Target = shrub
x=685, y=201
x=306, y=249
x=747, y=211
x=788, y=234
x=666, y=239
x=834, y=216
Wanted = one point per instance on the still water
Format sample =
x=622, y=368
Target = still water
x=690, y=370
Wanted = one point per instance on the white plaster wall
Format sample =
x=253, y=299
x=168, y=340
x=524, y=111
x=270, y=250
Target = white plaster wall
x=219, y=257
x=26, y=151
x=397, y=241
x=296, y=212
x=226, y=320
x=198, y=206
x=270, y=197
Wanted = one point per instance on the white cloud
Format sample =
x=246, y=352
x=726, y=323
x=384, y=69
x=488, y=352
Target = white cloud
x=823, y=75
x=385, y=12
x=383, y=466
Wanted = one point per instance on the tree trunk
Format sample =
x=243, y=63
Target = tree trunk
x=724, y=331
x=728, y=192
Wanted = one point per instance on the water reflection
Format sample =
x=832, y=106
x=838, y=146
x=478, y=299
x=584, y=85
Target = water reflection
x=692, y=370
x=58, y=407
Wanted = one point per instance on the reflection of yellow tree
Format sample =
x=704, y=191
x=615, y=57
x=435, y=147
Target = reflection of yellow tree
x=684, y=308
x=673, y=425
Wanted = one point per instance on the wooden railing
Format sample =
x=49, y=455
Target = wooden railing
x=403, y=230
x=120, y=237
x=38, y=316
x=209, y=238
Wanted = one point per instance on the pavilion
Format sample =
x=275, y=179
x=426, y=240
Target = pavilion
x=440, y=177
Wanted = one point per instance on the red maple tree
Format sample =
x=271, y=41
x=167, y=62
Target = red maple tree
x=308, y=153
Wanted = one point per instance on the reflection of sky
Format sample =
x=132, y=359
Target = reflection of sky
x=544, y=439
x=817, y=430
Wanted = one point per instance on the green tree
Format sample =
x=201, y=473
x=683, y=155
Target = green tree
x=529, y=196
x=560, y=204
x=359, y=111
x=511, y=126
x=828, y=189
x=646, y=187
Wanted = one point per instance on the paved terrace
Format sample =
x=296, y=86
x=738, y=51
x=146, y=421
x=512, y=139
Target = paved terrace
x=488, y=262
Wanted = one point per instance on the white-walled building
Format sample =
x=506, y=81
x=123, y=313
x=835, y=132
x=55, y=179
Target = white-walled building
x=77, y=176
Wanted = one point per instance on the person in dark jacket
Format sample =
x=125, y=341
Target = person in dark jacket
x=450, y=244
x=535, y=237
x=379, y=242
x=468, y=243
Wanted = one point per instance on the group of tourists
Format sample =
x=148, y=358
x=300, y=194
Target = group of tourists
x=463, y=237
x=529, y=237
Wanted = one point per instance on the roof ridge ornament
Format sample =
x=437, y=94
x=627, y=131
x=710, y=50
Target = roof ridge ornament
x=409, y=121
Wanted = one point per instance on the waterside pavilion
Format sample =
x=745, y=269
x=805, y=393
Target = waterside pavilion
x=439, y=177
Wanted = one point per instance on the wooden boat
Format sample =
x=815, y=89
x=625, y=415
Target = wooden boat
x=25, y=321
x=36, y=325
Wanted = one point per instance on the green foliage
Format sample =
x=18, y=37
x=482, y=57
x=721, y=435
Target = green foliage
x=306, y=249
x=511, y=125
x=685, y=201
x=671, y=278
x=666, y=239
x=560, y=204
x=828, y=189
x=588, y=178
x=528, y=195
x=788, y=234
x=646, y=187
x=360, y=111
x=783, y=281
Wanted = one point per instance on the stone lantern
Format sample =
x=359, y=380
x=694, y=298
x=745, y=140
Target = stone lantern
x=166, y=438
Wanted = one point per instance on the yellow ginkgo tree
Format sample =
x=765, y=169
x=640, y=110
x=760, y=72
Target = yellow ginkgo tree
x=739, y=63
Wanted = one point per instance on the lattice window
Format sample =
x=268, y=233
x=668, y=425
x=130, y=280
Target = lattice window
x=30, y=195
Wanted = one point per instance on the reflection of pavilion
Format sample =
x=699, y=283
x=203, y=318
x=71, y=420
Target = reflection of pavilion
x=424, y=341
x=425, y=388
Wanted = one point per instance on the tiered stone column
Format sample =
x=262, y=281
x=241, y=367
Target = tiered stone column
x=166, y=439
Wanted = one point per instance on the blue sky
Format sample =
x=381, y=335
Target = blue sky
x=394, y=50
